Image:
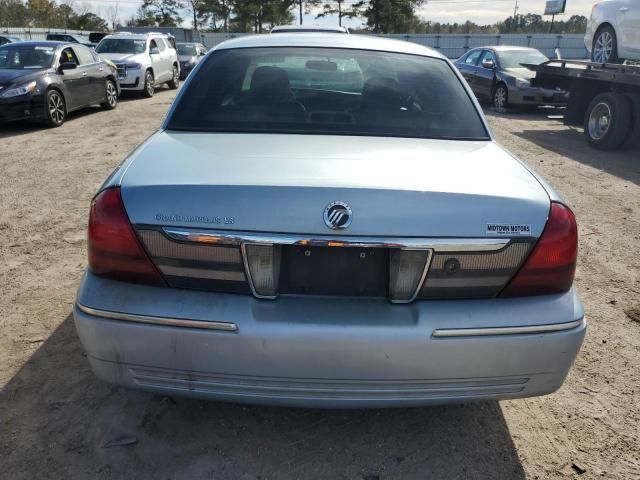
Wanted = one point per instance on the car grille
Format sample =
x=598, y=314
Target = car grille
x=268, y=269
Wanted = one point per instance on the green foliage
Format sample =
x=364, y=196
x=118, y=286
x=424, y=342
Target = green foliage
x=382, y=16
x=159, y=13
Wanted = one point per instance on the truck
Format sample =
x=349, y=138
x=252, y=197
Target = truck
x=604, y=99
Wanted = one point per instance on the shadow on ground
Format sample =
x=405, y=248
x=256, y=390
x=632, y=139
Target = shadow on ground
x=570, y=143
x=74, y=119
x=58, y=419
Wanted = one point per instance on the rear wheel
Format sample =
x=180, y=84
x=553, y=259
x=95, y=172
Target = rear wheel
x=55, y=109
x=605, y=46
x=500, y=98
x=175, y=80
x=633, y=137
x=149, y=84
x=607, y=121
x=111, y=96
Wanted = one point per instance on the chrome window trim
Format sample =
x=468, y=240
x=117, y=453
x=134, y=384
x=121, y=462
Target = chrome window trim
x=476, y=332
x=436, y=244
x=163, y=321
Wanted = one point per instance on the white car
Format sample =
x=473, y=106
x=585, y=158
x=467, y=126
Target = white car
x=144, y=61
x=613, y=31
x=309, y=29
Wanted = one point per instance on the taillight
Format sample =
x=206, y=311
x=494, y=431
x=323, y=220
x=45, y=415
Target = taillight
x=114, y=249
x=551, y=266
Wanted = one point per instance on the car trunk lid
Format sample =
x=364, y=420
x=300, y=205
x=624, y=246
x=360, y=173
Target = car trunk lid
x=395, y=187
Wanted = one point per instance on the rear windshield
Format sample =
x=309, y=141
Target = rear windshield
x=19, y=57
x=327, y=91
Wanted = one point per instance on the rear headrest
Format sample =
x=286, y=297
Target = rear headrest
x=273, y=80
x=382, y=92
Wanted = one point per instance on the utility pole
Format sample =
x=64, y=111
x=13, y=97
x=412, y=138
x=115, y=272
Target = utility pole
x=340, y=12
x=376, y=16
x=515, y=9
x=300, y=6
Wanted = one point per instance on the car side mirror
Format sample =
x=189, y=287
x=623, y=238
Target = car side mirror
x=154, y=51
x=202, y=54
x=488, y=64
x=68, y=66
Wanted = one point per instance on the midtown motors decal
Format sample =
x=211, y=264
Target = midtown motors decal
x=508, y=229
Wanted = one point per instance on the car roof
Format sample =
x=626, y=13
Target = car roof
x=44, y=43
x=505, y=48
x=316, y=28
x=329, y=40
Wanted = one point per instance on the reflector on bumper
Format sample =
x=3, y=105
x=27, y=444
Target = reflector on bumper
x=407, y=269
x=263, y=267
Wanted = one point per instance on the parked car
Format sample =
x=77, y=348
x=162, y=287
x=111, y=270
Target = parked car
x=189, y=54
x=144, y=61
x=8, y=39
x=293, y=237
x=71, y=38
x=47, y=80
x=613, y=31
x=309, y=29
x=500, y=74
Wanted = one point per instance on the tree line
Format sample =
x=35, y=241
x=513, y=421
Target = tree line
x=377, y=16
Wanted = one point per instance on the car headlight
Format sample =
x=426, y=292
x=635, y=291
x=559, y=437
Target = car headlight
x=21, y=90
x=522, y=83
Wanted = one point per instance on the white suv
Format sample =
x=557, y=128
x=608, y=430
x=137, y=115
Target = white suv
x=144, y=61
x=613, y=31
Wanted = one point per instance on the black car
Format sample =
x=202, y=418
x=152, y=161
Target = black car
x=47, y=80
x=71, y=38
x=8, y=39
x=500, y=74
x=189, y=54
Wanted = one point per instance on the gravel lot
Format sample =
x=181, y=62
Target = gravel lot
x=58, y=421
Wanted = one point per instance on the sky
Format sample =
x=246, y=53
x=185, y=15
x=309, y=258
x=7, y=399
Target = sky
x=445, y=11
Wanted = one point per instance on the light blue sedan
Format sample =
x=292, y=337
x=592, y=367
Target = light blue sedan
x=326, y=220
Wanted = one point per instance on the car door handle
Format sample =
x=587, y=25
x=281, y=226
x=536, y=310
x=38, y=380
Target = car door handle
x=84, y=74
x=101, y=69
x=624, y=9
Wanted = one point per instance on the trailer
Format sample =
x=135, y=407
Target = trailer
x=603, y=98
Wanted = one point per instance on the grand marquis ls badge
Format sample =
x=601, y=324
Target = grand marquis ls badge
x=338, y=215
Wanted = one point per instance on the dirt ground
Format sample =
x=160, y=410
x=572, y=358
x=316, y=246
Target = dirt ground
x=58, y=421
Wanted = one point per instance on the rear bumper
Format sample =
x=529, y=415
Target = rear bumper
x=327, y=352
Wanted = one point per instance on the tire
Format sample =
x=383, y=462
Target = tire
x=55, y=109
x=111, y=96
x=500, y=98
x=149, y=84
x=607, y=121
x=175, y=80
x=605, y=46
x=632, y=141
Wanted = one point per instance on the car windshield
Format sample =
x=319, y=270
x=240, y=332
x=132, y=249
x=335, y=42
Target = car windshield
x=121, y=45
x=21, y=57
x=187, y=50
x=327, y=91
x=515, y=58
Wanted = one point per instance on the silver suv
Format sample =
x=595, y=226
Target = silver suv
x=144, y=61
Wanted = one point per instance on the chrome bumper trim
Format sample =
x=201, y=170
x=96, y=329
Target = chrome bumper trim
x=435, y=244
x=475, y=332
x=164, y=321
